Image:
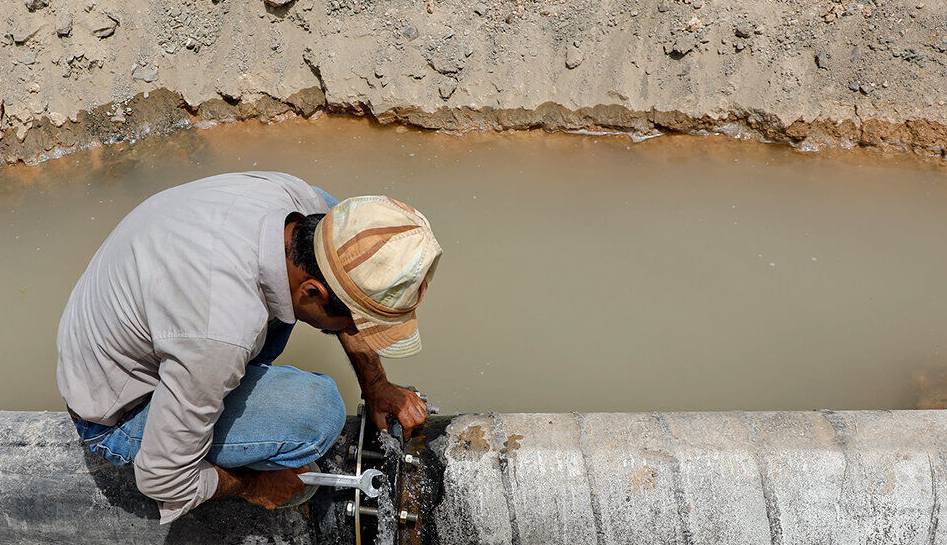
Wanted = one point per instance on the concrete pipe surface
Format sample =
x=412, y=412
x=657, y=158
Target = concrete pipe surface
x=695, y=478
x=655, y=478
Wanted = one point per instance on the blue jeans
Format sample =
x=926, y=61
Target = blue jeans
x=278, y=417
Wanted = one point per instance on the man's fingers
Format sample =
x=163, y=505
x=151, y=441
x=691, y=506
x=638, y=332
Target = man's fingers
x=420, y=410
x=414, y=415
x=409, y=409
x=407, y=423
x=411, y=417
x=419, y=415
x=380, y=419
x=408, y=417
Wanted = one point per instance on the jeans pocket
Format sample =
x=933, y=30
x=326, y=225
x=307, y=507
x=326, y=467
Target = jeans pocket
x=113, y=447
x=91, y=432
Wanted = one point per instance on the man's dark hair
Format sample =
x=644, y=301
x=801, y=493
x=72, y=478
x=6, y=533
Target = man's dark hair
x=303, y=254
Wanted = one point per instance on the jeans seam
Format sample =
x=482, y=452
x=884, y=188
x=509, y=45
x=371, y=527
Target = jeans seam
x=91, y=440
x=307, y=460
x=296, y=444
x=110, y=451
x=127, y=436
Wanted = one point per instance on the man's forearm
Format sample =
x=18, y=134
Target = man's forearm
x=365, y=362
x=383, y=398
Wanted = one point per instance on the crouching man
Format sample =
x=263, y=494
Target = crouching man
x=166, y=343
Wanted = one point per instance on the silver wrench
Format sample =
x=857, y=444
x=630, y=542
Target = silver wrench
x=363, y=482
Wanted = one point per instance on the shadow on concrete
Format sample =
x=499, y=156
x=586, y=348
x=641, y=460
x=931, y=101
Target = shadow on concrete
x=118, y=486
x=234, y=521
x=217, y=522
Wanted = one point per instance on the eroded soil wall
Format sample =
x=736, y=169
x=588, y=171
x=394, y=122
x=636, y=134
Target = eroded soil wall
x=831, y=73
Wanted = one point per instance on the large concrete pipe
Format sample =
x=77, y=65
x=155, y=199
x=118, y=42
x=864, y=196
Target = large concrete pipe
x=661, y=478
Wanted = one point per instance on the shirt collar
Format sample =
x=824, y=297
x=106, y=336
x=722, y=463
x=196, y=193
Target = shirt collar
x=274, y=279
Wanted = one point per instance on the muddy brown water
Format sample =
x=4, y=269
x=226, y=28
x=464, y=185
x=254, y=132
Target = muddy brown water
x=580, y=273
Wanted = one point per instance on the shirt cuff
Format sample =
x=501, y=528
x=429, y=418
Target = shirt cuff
x=206, y=487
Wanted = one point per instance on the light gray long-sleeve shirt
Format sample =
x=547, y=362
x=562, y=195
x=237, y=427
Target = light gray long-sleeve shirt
x=174, y=304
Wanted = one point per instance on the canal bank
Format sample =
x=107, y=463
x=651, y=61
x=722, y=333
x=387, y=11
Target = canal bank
x=839, y=73
x=607, y=478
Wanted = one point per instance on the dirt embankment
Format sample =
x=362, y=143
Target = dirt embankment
x=75, y=73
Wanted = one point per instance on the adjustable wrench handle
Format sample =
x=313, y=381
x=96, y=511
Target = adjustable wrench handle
x=363, y=482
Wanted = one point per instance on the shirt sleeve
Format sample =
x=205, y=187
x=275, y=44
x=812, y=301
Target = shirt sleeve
x=326, y=196
x=195, y=375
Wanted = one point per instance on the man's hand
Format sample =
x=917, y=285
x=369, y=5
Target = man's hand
x=385, y=399
x=269, y=489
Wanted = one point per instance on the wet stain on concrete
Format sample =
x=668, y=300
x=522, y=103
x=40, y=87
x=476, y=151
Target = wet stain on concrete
x=644, y=478
x=512, y=443
x=471, y=444
x=658, y=455
x=886, y=483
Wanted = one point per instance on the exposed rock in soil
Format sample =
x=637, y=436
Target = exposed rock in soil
x=574, y=56
x=34, y=5
x=22, y=32
x=825, y=74
x=446, y=89
x=103, y=25
x=147, y=73
x=743, y=31
x=64, y=25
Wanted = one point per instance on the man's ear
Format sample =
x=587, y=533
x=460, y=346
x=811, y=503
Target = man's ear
x=315, y=289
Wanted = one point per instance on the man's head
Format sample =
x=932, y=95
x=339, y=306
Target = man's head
x=313, y=300
x=364, y=266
